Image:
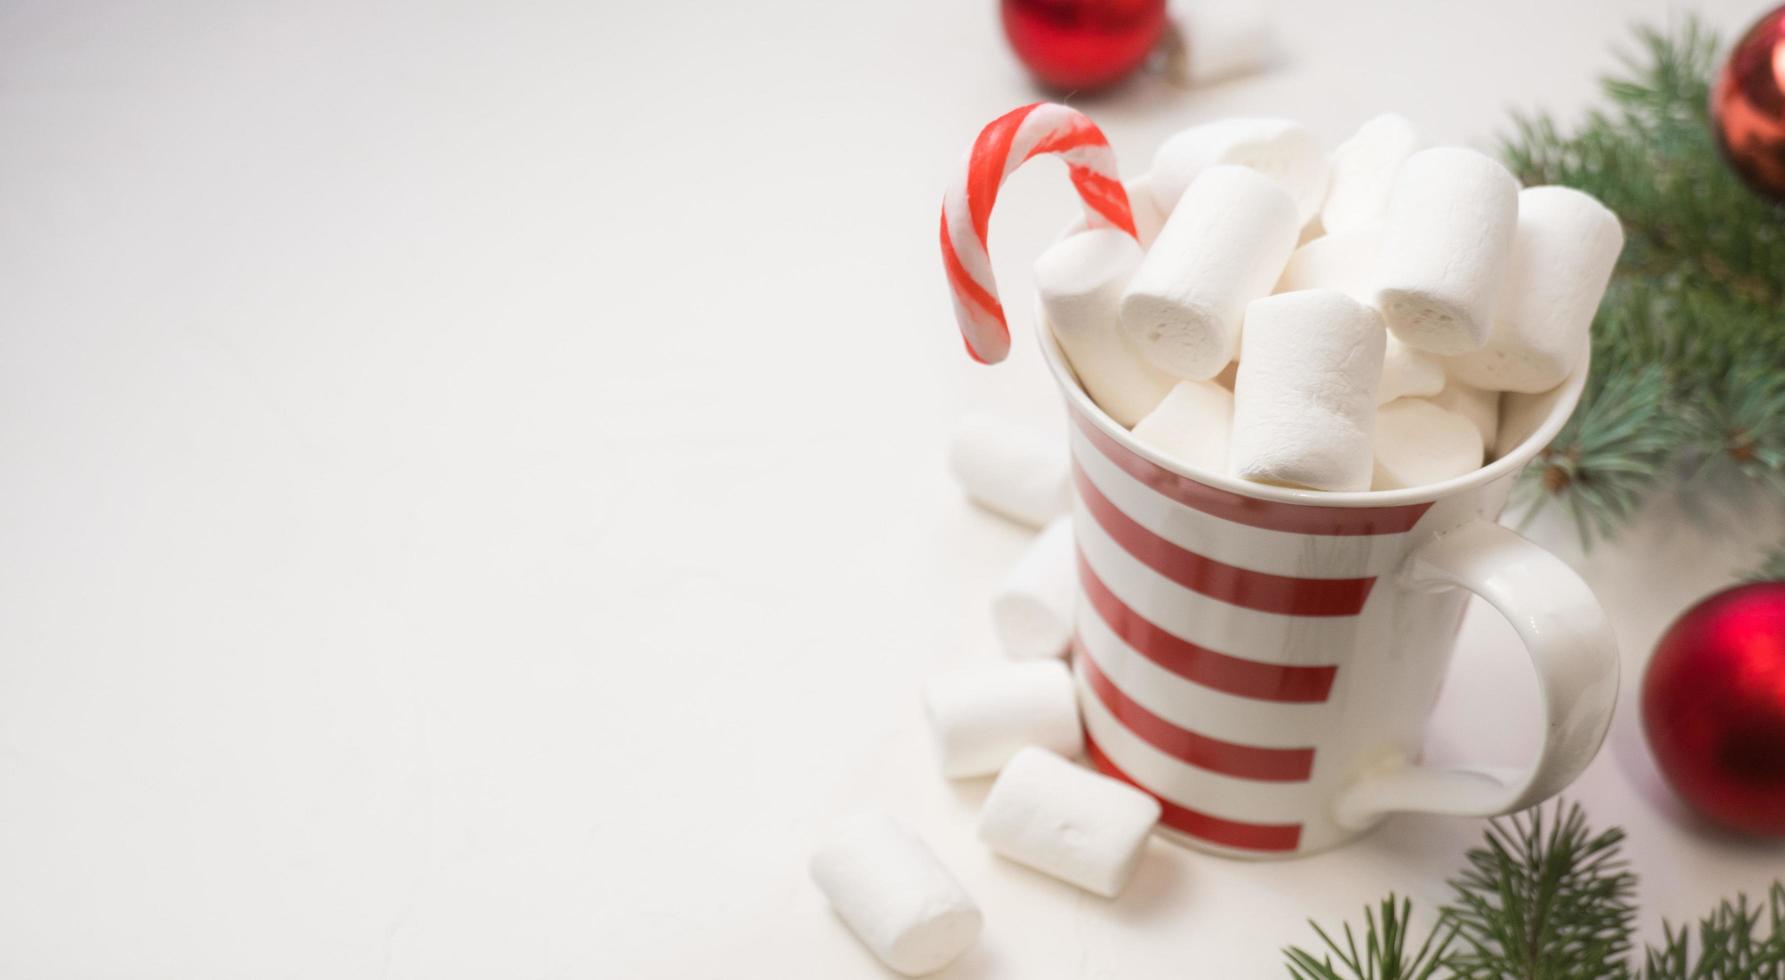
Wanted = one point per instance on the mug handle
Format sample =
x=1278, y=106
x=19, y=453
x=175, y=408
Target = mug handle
x=1572, y=646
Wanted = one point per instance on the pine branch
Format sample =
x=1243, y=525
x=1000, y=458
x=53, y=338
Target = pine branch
x=1544, y=900
x=1771, y=568
x=1728, y=948
x=1549, y=900
x=1688, y=346
x=1611, y=454
x=1384, y=954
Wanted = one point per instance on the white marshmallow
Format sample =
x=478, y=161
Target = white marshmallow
x=1562, y=259
x=1304, y=403
x=1346, y=261
x=1281, y=149
x=1407, y=372
x=1148, y=218
x=1191, y=426
x=1080, y=281
x=1445, y=248
x=1363, y=169
x=1520, y=416
x=1223, y=247
x=1418, y=443
x=894, y=895
x=1067, y=821
x=1032, y=608
x=1223, y=39
x=1011, y=469
x=1478, y=405
x=982, y=715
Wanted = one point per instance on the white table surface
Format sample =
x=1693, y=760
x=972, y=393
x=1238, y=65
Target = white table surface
x=472, y=500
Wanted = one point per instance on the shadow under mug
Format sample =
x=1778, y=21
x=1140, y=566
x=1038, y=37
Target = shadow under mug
x=1264, y=660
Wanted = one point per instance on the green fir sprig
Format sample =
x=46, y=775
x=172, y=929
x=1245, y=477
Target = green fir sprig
x=1730, y=947
x=1543, y=899
x=1771, y=568
x=1385, y=954
x=1688, y=381
x=1548, y=898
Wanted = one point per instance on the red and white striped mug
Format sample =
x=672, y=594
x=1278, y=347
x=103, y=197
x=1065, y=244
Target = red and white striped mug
x=1264, y=660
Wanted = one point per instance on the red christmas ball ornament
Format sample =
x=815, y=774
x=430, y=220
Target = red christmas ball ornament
x=1083, y=44
x=1748, y=106
x=1713, y=707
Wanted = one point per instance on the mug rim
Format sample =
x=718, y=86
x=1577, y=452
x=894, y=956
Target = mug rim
x=1509, y=464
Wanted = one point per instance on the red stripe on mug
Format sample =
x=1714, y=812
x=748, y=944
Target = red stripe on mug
x=1215, y=830
x=1268, y=514
x=1235, y=586
x=1220, y=671
x=1201, y=751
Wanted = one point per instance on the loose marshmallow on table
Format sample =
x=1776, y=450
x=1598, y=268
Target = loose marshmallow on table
x=894, y=895
x=1223, y=247
x=1191, y=425
x=1080, y=280
x=1363, y=169
x=1478, y=405
x=1562, y=259
x=1067, y=821
x=1446, y=244
x=1011, y=469
x=1032, y=608
x=1346, y=261
x=1148, y=217
x=1281, y=149
x=982, y=715
x=1418, y=443
x=1223, y=39
x=1304, y=402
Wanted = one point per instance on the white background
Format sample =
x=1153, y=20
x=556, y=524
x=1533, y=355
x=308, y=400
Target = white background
x=472, y=500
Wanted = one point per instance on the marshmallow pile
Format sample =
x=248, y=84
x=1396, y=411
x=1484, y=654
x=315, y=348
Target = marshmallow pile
x=1018, y=720
x=1335, y=321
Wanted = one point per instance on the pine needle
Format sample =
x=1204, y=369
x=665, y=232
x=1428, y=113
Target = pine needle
x=1544, y=899
x=1728, y=946
x=1384, y=955
x=1771, y=568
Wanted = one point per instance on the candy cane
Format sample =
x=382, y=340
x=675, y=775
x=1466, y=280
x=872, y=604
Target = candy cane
x=1004, y=145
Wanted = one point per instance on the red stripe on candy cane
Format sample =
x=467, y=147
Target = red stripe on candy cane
x=1216, y=830
x=1107, y=197
x=962, y=282
x=1074, y=133
x=1042, y=129
x=1200, y=665
x=985, y=166
x=1235, y=586
x=1201, y=751
x=1271, y=515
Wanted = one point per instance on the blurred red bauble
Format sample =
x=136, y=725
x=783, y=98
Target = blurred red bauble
x=1748, y=106
x=1083, y=44
x=1713, y=707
